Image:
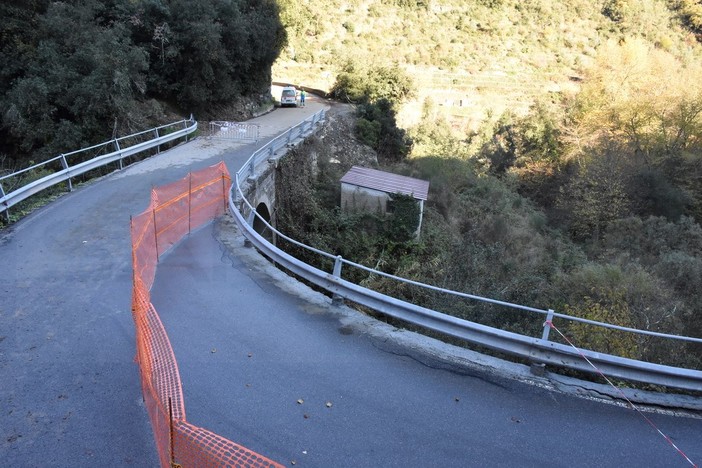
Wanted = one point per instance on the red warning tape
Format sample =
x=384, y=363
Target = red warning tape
x=550, y=324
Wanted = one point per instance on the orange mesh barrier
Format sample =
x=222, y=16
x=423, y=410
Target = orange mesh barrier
x=201, y=447
x=174, y=211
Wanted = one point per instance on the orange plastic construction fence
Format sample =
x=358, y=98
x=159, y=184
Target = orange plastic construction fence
x=174, y=211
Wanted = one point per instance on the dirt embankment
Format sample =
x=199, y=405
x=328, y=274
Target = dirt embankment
x=337, y=140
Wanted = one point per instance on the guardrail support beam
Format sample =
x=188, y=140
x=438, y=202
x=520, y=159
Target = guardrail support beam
x=338, y=263
x=539, y=368
x=119, y=151
x=547, y=325
x=64, y=163
x=6, y=208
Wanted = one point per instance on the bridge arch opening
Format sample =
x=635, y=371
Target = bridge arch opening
x=259, y=226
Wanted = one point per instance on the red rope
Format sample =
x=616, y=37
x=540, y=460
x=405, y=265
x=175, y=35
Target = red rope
x=550, y=324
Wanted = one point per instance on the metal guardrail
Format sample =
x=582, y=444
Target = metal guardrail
x=268, y=151
x=537, y=350
x=8, y=200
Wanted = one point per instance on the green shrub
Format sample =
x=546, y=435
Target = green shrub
x=403, y=220
x=391, y=142
x=368, y=131
x=628, y=296
x=370, y=84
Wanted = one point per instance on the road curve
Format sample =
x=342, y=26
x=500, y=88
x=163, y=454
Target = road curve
x=70, y=393
x=261, y=357
x=264, y=361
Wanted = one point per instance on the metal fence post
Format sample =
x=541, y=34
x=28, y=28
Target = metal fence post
x=64, y=163
x=547, y=326
x=119, y=150
x=171, y=439
x=224, y=191
x=7, y=208
x=158, y=148
x=153, y=211
x=338, y=263
x=190, y=198
x=539, y=368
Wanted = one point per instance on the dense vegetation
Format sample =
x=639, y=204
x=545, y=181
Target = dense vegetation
x=562, y=140
x=587, y=202
x=76, y=73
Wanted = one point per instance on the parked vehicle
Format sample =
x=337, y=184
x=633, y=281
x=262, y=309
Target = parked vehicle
x=289, y=97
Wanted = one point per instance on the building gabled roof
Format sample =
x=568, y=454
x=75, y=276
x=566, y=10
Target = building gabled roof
x=387, y=182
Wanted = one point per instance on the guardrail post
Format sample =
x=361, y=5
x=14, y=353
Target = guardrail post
x=250, y=220
x=338, y=263
x=547, y=326
x=119, y=150
x=158, y=148
x=539, y=368
x=7, y=208
x=64, y=163
x=251, y=168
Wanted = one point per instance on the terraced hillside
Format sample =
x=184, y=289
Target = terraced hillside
x=474, y=59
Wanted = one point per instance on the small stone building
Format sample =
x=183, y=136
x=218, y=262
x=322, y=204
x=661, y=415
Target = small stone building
x=368, y=189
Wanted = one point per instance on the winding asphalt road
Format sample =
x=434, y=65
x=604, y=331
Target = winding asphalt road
x=264, y=361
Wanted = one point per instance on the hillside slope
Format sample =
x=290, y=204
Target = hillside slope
x=475, y=59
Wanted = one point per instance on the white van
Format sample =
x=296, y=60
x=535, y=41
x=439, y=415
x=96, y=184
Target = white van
x=288, y=97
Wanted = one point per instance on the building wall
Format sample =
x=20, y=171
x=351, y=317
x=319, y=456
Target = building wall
x=355, y=198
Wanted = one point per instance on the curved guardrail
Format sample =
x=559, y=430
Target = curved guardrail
x=537, y=350
x=8, y=200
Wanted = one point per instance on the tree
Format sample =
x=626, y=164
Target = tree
x=202, y=55
x=647, y=104
x=80, y=85
x=596, y=196
x=77, y=73
x=18, y=45
x=359, y=84
x=691, y=13
x=624, y=295
x=640, y=96
x=378, y=127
